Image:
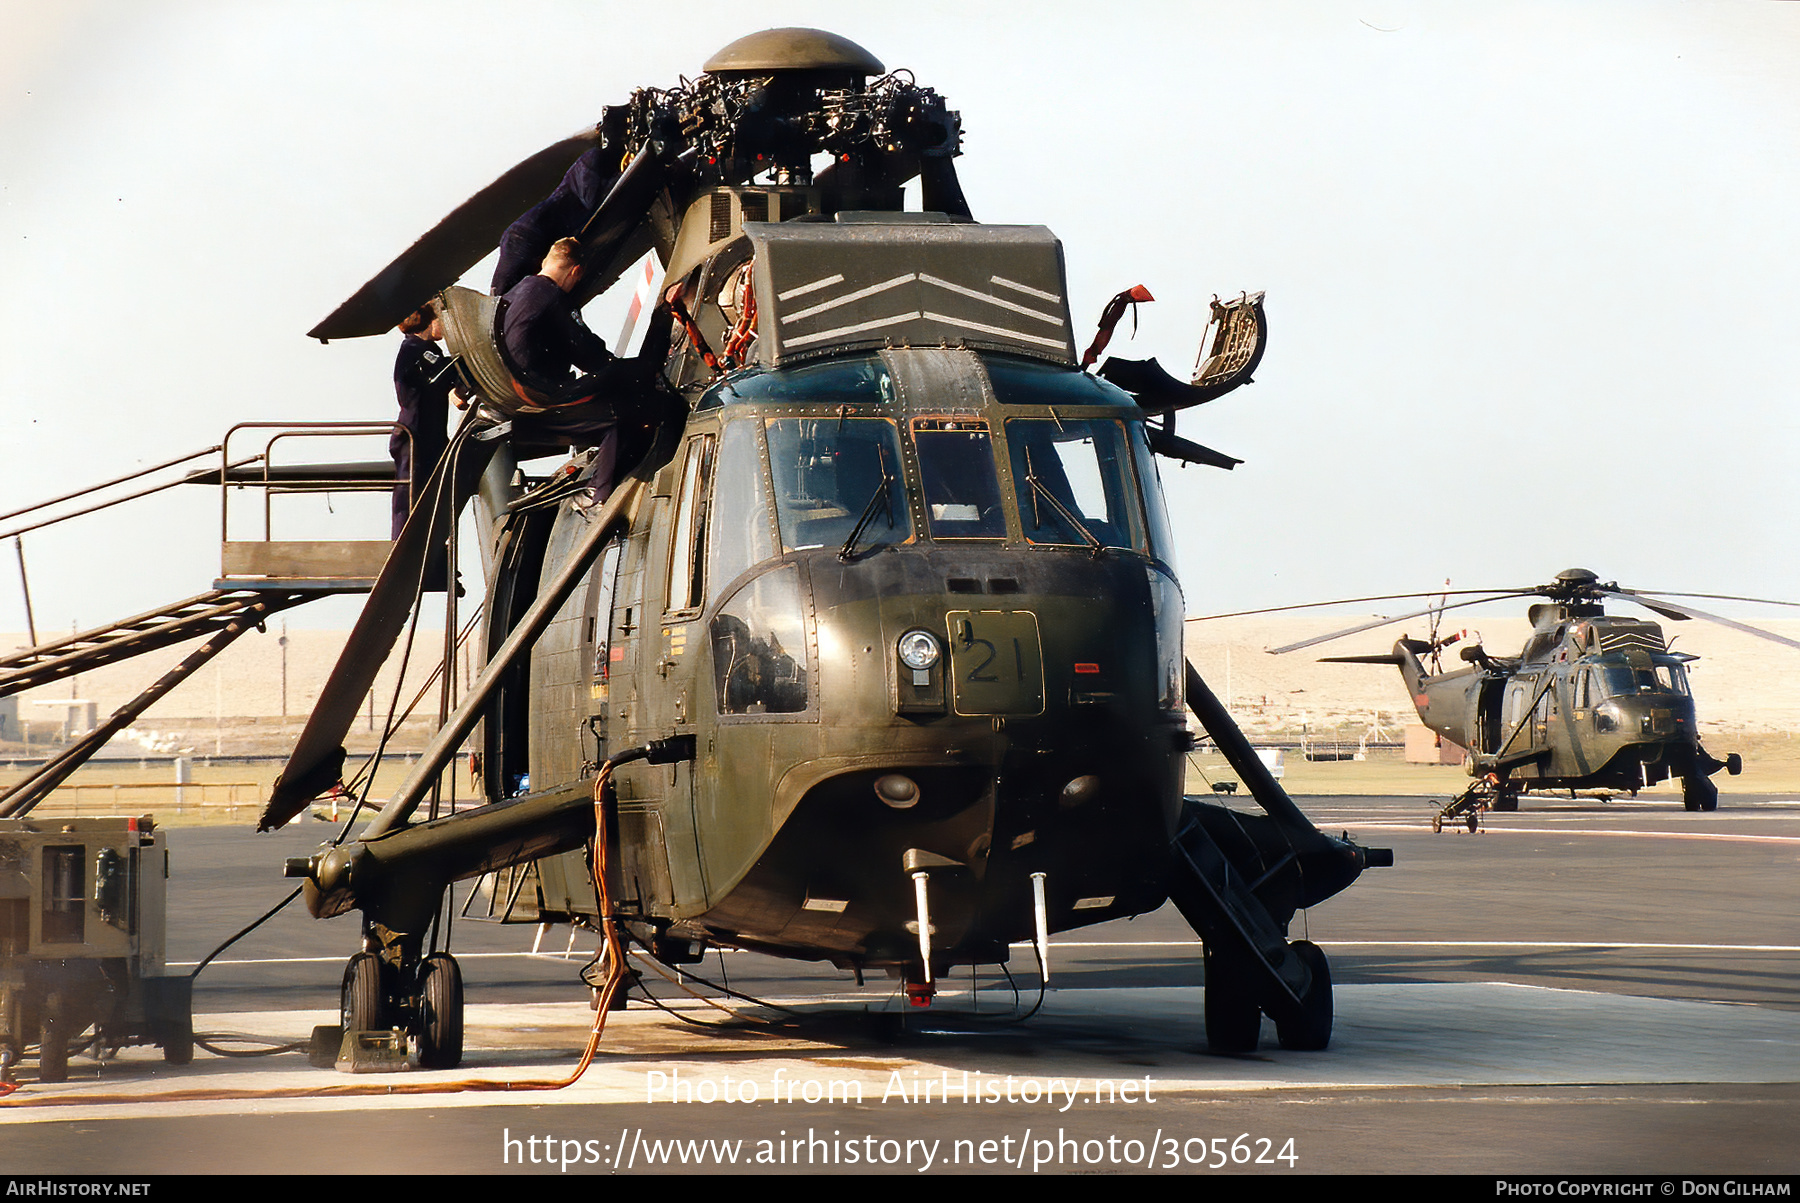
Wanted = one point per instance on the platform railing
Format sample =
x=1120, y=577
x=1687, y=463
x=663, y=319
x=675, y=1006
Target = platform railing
x=335, y=564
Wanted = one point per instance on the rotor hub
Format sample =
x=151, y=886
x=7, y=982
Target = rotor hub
x=793, y=50
x=1577, y=584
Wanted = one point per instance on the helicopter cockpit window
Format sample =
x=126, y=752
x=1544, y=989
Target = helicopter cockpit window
x=759, y=647
x=844, y=381
x=1622, y=680
x=828, y=472
x=1162, y=541
x=956, y=470
x=687, y=555
x=1030, y=382
x=743, y=535
x=1083, y=488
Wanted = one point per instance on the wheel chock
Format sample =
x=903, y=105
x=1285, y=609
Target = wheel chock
x=362, y=1052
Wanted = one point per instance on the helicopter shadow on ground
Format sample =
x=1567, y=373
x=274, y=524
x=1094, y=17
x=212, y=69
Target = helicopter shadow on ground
x=1594, y=804
x=1116, y=1006
x=957, y=1036
x=1677, y=974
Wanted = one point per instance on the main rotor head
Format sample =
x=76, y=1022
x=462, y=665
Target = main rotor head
x=772, y=50
x=1577, y=584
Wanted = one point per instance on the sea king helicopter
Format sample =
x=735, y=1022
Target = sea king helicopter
x=874, y=656
x=1593, y=701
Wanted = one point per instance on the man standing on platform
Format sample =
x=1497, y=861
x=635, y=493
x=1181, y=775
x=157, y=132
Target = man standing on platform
x=422, y=387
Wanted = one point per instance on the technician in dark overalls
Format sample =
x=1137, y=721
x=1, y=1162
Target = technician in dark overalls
x=544, y=340
x=562, y=213
x=422, y=387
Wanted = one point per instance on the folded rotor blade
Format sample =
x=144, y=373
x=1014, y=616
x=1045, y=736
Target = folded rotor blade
x=1687, y=611
x=450, y=248
x=939, y=189
x=1155, y=391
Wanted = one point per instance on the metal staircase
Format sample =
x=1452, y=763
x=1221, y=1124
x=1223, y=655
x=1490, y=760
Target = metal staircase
x=204, y=614
x=260, y=577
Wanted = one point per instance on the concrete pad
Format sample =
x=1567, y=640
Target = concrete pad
x=1458, y=1034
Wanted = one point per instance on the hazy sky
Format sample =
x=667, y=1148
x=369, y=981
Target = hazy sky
x=1531, y=267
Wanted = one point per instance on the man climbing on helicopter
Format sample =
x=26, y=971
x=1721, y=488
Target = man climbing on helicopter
x=558, y=215
x=545, y=340
x=542, y=331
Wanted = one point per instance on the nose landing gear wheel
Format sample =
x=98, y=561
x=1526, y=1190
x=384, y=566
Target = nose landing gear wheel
x=363, y=1005
x=1699, y=793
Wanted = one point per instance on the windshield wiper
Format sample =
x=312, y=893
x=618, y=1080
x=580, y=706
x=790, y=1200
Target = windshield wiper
x=883, y=492
x=1068, y=515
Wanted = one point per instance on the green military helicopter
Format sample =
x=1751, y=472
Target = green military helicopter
x=1593, y=701
x=875, y=656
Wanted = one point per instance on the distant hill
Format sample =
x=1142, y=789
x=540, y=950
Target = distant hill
x=1741, y=683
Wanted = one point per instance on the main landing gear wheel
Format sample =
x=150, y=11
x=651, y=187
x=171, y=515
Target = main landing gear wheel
x=362, y=999
x=1699, y=793
x=1233, y=1020
x=1309, y=1028
x=440, y=1037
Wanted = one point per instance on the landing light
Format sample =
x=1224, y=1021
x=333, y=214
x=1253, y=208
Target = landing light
x=919, y=650
x=898, y=791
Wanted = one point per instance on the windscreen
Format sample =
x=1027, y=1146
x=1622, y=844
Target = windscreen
x=1074, y=482
x=828, y=471
x=1622, y=680
x=956, y=470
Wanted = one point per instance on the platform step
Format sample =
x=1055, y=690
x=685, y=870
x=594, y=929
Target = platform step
x=177, y=622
